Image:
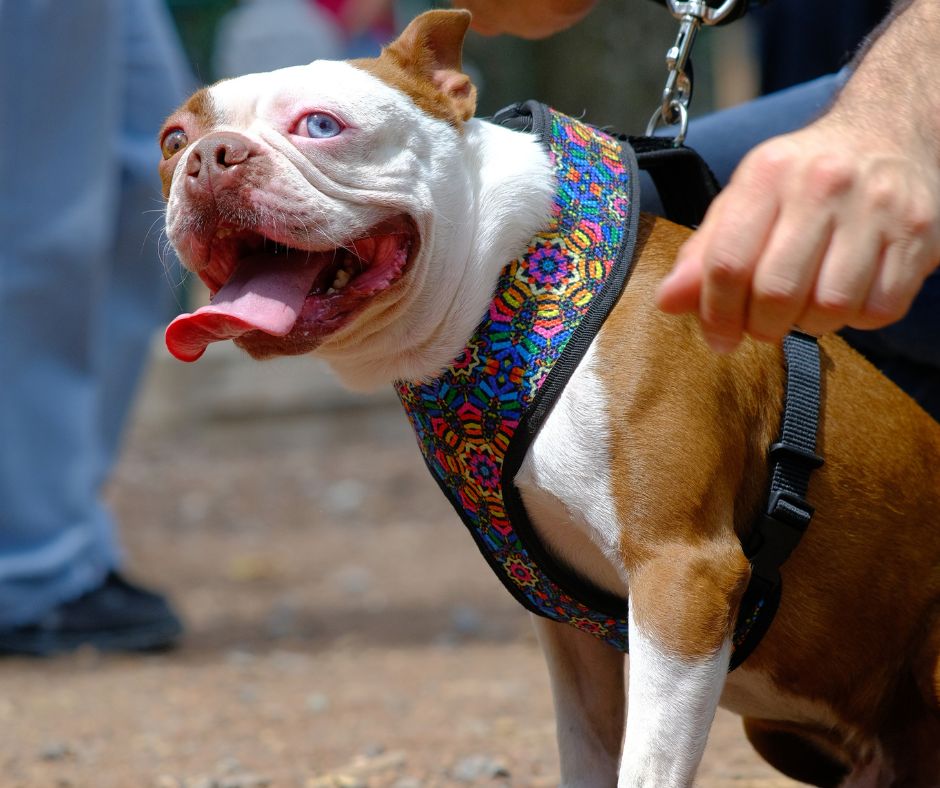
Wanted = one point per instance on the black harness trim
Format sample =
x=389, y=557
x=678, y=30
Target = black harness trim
x=686, y=187
x=533, y=117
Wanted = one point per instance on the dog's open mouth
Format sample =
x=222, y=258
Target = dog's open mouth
x=263, y=291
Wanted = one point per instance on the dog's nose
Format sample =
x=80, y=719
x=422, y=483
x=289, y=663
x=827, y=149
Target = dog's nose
x=214, y=161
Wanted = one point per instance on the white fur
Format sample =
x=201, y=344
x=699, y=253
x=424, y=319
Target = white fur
x=565, y=480
x=477, y=197
x=565, y=483
x=587, y=679
x=672, y=705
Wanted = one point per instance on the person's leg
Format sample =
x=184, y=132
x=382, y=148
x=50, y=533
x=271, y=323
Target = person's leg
x=59, y=93
x=142, y=290
x=80, y=293
x=908, y=351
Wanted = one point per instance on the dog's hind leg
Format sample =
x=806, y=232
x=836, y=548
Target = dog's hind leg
x=798, y=752
x=682, y=606
x=588, y=691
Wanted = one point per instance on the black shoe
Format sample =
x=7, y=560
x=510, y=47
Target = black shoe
x=115, y=616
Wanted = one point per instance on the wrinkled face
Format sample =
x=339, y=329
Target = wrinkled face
x=300, y=198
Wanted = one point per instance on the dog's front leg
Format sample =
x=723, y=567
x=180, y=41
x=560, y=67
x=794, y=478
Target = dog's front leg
x=682, y=606
x=588, y=691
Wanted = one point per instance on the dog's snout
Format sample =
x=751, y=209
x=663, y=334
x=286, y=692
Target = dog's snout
x=215, y=159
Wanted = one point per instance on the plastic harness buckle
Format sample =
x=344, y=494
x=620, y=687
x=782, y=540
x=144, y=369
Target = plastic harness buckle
x=776, y=535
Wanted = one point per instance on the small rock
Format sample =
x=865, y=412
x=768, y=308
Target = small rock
x=194, y=507
x=240, y=657
x=407, y=782
x=447, y=641
x=478, y=767
x=356, y=773
x=317, y=702
x=354, y=580
x=289, y=661
x=55, y=751
x=243, y=781
x=228, y=765
x=251, y=568
x=336, y=780
x=350, y=781
x=373, y=750
x=466, y=620
x=282, y=620
x=345, y=496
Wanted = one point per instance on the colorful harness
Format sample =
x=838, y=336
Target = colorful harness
x=476, y=420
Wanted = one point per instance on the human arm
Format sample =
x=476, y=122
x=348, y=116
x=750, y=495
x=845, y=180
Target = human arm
x=836, y=224
x=525, y=18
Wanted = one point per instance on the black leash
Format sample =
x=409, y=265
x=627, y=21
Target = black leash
x=685, y=183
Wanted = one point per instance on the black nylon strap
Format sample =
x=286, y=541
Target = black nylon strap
x=685, y=183
x=780, y=528
x=794, y=456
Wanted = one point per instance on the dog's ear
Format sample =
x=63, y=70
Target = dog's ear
x=425, y=62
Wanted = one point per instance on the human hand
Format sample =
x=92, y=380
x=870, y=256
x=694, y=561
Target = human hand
x=525, y=18
x=826, y=227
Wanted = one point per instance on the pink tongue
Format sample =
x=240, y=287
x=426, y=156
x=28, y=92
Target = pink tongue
x=264, y=294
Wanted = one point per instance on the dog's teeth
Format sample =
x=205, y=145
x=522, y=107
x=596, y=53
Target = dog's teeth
x=331, y=291
x=341, y=280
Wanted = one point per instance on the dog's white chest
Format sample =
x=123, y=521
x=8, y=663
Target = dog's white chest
x=565, y=481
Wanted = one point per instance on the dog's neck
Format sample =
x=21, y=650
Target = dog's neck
x=494, y=197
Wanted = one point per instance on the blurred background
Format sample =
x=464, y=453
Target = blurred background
x=341, y=628
x=611, y=65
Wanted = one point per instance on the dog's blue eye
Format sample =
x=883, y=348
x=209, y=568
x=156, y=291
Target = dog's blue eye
x=321, y=125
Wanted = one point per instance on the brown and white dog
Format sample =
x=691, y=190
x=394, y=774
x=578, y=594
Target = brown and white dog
x=373, y=179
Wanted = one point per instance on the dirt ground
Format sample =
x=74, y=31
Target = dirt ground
x=342, y=630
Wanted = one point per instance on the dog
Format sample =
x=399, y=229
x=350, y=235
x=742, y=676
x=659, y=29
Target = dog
x=358, y=211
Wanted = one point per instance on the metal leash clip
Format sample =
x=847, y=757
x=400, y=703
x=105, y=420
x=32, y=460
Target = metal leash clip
x=692, y=14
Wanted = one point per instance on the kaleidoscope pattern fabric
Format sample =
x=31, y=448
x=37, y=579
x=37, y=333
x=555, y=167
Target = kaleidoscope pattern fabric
x=466, y=419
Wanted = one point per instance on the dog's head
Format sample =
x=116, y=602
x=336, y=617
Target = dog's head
x=307, y=199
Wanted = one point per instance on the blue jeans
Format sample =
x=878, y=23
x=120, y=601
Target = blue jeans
x=907, y=351
x=84, y=87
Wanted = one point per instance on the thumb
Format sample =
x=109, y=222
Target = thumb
x=679, y=292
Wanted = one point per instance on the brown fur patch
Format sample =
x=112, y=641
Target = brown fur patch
x=425, y=62
x=200, y=106
x=196, y=117
x=681, y=438
x=857, y=629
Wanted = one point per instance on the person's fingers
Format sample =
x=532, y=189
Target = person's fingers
x=783, y=279
x=844, y=279
x=818, y=228
x=894, y=287
x=679, y=291
x=734, y=235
